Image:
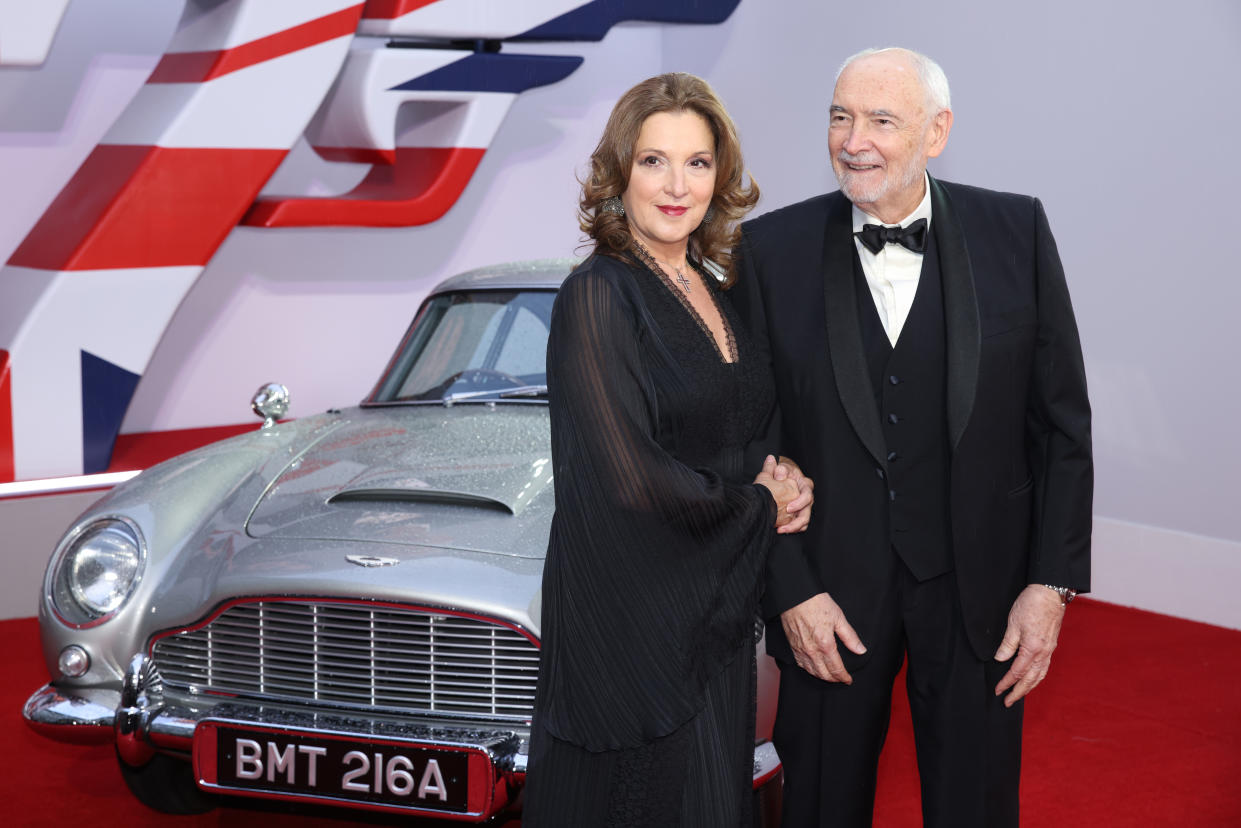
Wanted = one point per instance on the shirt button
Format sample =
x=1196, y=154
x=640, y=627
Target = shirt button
x=892, y=455
x=892, y=495
x=892, y=379
x=892, y=418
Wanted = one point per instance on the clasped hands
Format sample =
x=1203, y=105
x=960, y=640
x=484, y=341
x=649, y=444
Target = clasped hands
x=792, y=490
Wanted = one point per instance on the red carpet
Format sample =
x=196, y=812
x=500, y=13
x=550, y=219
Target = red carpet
x=1139, y=724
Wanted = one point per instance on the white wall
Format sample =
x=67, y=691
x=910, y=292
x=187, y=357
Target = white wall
x=1120, y=115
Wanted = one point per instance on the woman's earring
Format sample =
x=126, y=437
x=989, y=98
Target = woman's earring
x=709, y=216
x=612, y=205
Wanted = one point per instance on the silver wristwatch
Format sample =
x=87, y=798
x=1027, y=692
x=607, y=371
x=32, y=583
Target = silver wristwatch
x=1066, y=594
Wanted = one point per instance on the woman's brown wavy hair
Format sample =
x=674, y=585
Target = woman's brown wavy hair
x=612, y=160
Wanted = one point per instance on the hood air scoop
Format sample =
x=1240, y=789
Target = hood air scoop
x=373, y=494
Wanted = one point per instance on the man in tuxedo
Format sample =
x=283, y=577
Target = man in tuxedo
x=930, y=382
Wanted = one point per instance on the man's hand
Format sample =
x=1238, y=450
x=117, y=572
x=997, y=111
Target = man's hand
x=812, y=628
x=799, y=509
x=1033, y=628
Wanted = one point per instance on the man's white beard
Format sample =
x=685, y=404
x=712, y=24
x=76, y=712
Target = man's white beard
x=853, y=189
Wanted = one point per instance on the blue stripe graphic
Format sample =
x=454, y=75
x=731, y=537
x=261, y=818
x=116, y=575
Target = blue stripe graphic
x=592, y=21
x=491, y=72
x=106, y=391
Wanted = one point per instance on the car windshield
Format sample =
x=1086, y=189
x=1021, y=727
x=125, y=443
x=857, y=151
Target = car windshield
x=483, y=344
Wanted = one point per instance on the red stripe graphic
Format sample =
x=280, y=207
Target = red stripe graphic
x=196, y=67
x=131, y=453
x=136, y=206
x=145, y=449
x=389, y=9
x=358, y=155
x=419, y=188
x=6, y=420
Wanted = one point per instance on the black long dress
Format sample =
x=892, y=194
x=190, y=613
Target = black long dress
x=644, y=712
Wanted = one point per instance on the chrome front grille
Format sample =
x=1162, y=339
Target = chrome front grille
x=356, y=655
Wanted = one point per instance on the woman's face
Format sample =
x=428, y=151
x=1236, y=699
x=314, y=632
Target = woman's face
x=671, y=181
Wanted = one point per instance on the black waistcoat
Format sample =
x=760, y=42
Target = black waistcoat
x=909, y=382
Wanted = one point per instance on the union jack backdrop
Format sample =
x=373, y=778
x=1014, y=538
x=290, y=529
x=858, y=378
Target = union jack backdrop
x=416, y=89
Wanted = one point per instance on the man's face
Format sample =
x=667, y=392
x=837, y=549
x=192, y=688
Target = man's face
x=880, y=136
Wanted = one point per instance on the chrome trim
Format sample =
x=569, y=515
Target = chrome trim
x=428, y=662
x=61, y=716
x=144, y=720
x=489, y=402
x=133, y=714
x=538, y=274
x=371, y=561
x=498, y=743
x=84, y=716
x=172, y=728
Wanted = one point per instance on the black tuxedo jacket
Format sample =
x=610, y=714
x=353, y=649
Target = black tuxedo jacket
x=1018, y=416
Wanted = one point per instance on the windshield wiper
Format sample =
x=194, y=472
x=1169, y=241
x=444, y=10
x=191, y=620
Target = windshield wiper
x=503, y=393
x=525, y=391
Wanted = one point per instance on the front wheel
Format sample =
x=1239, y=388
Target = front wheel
x=767, y=801
x=166, y=785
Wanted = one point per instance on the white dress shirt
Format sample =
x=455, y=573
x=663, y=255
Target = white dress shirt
x=892, y=273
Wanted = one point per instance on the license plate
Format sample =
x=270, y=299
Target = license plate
x=373, y=772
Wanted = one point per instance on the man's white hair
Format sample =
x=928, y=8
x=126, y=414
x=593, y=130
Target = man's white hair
x=934, y=81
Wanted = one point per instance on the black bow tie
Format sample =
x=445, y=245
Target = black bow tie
x=913, y=237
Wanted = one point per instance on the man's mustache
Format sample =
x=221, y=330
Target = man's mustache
x=862, y=158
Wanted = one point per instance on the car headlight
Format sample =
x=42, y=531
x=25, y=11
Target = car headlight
x=95, y=570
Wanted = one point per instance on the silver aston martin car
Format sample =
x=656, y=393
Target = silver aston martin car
x=343, y=608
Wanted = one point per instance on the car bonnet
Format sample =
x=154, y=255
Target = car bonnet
x=473, y=477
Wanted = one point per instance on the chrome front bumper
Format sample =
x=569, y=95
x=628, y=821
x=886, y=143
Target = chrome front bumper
x=86, y=717
x=142, y=722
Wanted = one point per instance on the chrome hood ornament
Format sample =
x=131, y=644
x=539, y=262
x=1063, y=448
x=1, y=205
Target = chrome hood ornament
x=271, y=402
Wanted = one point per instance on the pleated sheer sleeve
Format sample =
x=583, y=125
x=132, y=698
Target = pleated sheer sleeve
x=653, y=567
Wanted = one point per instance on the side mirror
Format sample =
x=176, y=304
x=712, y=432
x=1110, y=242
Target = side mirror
x=270, y=402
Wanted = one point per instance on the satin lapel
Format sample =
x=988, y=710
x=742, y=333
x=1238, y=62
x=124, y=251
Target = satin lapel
x=844, y=333
x=960, y=311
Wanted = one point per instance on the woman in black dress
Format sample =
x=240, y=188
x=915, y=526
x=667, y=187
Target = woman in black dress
x=645, y=706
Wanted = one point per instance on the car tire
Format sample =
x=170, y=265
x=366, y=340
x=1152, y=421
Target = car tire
x=768, y=801
x=166, y=785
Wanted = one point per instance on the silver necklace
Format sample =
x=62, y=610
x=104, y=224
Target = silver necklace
x=681, y=279
x=684, y=282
